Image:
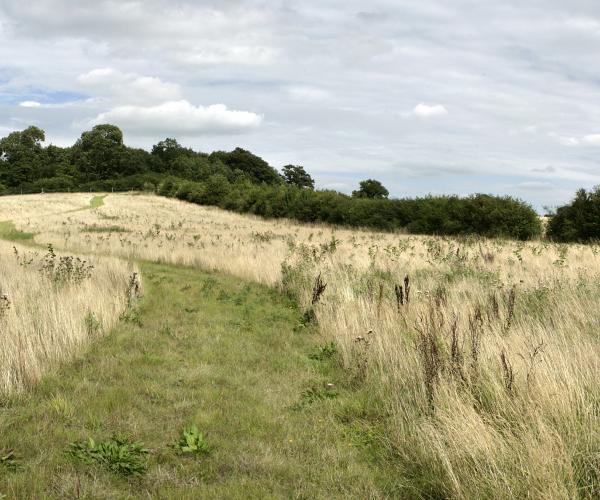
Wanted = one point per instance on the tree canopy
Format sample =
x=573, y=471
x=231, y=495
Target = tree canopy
x=295, y=175
x=242, y=181
x=21, y=156
x=578, y=220
x=371, y=188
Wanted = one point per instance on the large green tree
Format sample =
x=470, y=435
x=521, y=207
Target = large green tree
x=99, y=154
x=578, y=220
x=371, y=188
x=21, y=156
x=295, y=175
x=254, y=167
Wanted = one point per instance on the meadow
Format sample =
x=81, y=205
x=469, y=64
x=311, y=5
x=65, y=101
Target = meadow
x=464, y=367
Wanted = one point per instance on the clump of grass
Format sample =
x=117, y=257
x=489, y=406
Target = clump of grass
x=92, y=324
x=132, y=315
x=324, y=352
x=117, y=455
x=314, y=394
x=192, y=441
x=8, y=459
x=104, y=229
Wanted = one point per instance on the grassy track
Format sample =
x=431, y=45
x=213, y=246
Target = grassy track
x=201, y=349
x=9, y=232
x=97, y=201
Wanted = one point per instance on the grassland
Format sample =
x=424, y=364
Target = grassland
x=200, y=349
x=51, y=306
x=479, y=381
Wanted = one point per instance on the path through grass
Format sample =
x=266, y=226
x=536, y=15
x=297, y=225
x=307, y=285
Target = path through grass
x=9, y=232
x=201, y=349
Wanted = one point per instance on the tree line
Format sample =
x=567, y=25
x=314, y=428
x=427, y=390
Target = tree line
x=242, y=181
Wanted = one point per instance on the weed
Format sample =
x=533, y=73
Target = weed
x=318, y=289
x=429, y=346
x=93, y=325
x=324, y=352
x=308, y=318
x=510, y=309
x=192, y=441
x=314, y=394
x=133, y=290
x=166, y=330
x=132, y=315
x=116, y=454
x=507, y=371
x=4, y=305
x=66, y=269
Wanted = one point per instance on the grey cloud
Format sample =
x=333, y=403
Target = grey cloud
x=335, y=82
x=549, y=169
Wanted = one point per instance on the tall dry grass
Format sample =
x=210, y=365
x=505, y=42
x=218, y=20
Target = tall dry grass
x=51, y=308
x=485, y=376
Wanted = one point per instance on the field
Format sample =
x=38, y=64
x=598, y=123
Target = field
x=321, y=362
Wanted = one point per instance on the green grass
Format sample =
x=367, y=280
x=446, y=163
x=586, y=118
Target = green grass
x=209, y=351
x=9, y=232
x=97, y=201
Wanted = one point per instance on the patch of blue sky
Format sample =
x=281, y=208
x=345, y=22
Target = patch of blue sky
x=41, y=96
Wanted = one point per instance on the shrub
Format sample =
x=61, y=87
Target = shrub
x=579, y=220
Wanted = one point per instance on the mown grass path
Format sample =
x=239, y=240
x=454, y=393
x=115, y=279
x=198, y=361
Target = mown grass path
x=202, y=349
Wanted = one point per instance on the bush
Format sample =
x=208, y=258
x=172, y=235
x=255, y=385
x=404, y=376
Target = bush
x=579, y=220
x=486, y=215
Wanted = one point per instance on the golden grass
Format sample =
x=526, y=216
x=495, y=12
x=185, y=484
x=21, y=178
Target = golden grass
x=488, y=376
x=47, y=318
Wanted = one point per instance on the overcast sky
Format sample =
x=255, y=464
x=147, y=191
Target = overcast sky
x=428, y=96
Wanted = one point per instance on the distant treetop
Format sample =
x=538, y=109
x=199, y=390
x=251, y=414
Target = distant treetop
x=371, y=188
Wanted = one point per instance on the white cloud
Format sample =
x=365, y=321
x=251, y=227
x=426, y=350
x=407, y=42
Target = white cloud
x=534, y=186
x=568, y=141
x=30, y=104
x=213, y=54
x=423, y=110
x=180, y=117
x=586, y=140
x=307, y=93
x=584, y=24
x=129, y=86
x=591, y=139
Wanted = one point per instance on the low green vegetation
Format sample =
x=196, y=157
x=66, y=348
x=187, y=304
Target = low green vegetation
x=97, y=202
x=117, y=455
x=103, y=229
x=219, y=385
x=192, y=441
x=9, y=232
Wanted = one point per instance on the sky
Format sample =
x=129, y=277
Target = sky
x=427, y=96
